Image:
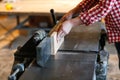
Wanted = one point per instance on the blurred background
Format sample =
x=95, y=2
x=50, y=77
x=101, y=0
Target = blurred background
x=17, y=37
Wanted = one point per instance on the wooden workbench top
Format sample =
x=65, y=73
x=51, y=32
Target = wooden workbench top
x=39, y=6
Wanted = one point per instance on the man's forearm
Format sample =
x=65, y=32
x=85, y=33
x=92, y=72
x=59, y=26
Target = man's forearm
x=83, y=6
x=97, y=13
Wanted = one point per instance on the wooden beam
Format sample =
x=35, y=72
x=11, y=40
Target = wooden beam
x=55, y=43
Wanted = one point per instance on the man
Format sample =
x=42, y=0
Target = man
x=91, y=11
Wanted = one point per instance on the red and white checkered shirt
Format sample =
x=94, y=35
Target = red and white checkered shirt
x=95, y=10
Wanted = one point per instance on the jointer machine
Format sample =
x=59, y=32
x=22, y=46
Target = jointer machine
x=78, y=56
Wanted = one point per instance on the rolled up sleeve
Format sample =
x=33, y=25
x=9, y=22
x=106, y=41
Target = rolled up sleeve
x=87, y=4
x=97, y=13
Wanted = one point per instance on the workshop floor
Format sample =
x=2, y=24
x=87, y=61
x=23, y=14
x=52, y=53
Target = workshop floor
x=9, y=43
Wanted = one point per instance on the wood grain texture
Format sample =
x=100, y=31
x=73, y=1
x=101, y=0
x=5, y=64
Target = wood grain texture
x=55, y=44
x=53, y=34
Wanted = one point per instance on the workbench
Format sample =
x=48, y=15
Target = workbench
x=36, y=8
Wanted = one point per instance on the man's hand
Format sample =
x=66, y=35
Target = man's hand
x=65, y=29
x=67, y=26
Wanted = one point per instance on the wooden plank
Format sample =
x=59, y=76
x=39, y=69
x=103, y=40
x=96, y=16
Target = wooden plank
x=55, y=43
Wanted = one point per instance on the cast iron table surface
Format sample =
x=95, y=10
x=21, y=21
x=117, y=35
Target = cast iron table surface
x=64, y=66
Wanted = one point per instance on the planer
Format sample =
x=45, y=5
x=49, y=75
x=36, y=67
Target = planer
x=76, y=56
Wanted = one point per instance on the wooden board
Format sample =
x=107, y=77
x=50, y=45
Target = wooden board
x=55, y=44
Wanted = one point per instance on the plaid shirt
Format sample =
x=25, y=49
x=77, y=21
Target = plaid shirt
x=95, y=10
